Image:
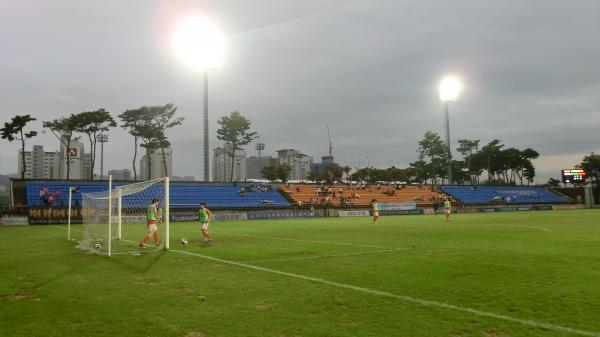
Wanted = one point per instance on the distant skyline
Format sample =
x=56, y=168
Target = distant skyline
x=369, y=70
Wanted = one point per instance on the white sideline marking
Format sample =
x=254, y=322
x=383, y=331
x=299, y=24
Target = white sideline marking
x=307, y=241
x=541, y=228
x=543, y=325
x=329, y=255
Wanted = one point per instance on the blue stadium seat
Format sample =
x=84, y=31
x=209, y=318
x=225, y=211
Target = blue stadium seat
x=512, y=194
x=183, y=195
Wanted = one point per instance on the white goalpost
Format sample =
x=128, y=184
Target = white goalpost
x=115, y=220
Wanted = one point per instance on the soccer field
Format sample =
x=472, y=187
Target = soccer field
x=495, y=274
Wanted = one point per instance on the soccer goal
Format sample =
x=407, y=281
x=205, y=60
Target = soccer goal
x=115, y=220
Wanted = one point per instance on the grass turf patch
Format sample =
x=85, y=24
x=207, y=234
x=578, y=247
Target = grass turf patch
x=501, y=263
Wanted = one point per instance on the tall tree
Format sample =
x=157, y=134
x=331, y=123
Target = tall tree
x=347, y=169
x=269, y=172
x=591, y=165
x=432, y=147
x=14, y=130
x=64, y=129
x=148, y=135
x=527, y=168
x=491, y=153
x=163, y=118
x=283, y=172
x=468, y=148
x=132, y=120
x=331, y=172
x=235, y=129
x=92, y=124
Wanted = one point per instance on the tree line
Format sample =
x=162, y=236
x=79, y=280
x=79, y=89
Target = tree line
x=503, y=165
x=147, y=124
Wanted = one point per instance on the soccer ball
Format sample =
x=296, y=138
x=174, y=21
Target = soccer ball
x=97, y=246
x=184, y=241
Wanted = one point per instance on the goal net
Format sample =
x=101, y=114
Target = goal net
x=115, y=221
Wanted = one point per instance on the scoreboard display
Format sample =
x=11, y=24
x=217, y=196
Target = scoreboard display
x=573, y=176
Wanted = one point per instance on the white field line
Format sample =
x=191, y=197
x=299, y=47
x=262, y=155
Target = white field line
x=307, y=241
x=476, y=312
x=329, y=255
x=541, y=228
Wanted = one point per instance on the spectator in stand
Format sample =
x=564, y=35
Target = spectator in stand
x=57, y=197
x=41, y=194
x=300, y=203
x=50, y=200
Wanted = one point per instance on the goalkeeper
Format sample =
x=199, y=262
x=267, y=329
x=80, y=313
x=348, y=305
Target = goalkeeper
x=153, y=216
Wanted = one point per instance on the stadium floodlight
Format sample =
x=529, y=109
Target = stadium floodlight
x=199, y=43
x=449, y=90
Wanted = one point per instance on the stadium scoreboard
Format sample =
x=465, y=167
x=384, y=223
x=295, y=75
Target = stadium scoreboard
x=572, y=176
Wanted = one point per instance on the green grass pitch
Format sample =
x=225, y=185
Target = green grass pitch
x=498, y=274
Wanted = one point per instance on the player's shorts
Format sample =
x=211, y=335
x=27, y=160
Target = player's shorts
x=376, y=214
x=205, y=225
x=448, y=210
x=152, y=226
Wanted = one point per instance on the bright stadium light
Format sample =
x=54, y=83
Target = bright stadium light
x=198, y=42
x=450, y=87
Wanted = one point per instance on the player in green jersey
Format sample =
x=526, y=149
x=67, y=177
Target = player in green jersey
x=375, y=206
x=152, y=216
x=447, y=208
x=204, y=216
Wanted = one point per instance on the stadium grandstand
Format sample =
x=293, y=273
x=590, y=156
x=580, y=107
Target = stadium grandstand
x=504, y=194
x=360, y=195
x=184, y=195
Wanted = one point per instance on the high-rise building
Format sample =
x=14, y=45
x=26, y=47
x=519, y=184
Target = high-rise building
x=39, y=164
x=299, y=163
x=157, y=165
x=254, y=166
x=124, y=174
x=80, y=163
x=222, y=164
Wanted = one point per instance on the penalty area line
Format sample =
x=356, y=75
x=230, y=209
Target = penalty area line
x=541, y=228
x=330, y=255
x=305, y=241
x=476, y=312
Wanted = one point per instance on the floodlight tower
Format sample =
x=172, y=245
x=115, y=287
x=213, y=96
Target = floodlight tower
x=200, y=44
x=260, y=147
x=449, y=89
x=102, y=138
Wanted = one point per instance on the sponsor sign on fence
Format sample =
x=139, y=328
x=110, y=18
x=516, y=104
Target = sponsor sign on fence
x=230, y=216
x=14, y=220
x=559, y=207
x=215, y=216
x=353, y=213
x=402, y=212
x=282, y=214
x=398, y=206
x=47, y=215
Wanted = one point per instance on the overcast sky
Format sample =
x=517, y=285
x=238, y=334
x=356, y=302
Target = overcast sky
x=368, y=69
